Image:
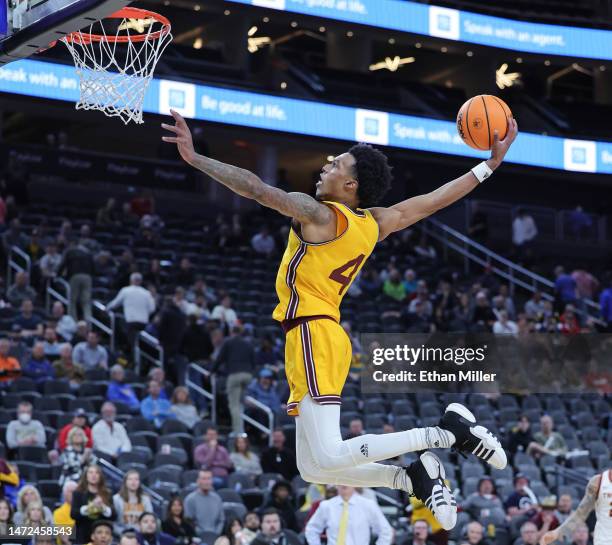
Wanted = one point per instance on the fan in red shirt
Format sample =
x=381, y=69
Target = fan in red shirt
x=79, y=420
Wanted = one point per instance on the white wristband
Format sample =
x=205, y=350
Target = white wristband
x=482, y=171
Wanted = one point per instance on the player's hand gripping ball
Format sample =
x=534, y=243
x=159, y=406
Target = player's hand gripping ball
x=479, y=117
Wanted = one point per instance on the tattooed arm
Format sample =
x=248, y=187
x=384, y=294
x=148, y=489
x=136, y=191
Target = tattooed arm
x=578, y=517
x=299, y=206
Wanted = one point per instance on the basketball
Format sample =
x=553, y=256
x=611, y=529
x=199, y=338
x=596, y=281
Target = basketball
x=479, y=117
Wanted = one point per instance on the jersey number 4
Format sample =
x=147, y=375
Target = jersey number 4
x=338, y=275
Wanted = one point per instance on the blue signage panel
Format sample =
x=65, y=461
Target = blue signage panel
x=297, y=116
x=452, y=24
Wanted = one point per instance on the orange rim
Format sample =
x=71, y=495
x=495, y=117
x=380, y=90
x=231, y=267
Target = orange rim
x=125, y=13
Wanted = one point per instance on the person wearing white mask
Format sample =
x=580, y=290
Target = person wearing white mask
x=25, y=432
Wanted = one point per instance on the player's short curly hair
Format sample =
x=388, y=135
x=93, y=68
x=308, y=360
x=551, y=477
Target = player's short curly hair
x=372, y=172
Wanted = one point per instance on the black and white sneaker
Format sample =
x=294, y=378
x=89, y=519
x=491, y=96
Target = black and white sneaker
x=471, y=438
x=427, y=475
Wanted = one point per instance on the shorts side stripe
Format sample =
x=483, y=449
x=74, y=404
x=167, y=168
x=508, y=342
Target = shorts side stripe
x=308, y=363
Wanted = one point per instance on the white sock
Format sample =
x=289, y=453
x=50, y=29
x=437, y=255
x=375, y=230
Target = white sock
x=321, y=425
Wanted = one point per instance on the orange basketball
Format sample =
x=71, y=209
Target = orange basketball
x=479, y=117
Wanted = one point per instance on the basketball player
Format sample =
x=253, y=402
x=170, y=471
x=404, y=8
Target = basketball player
x=331, y=237
x=598, y=497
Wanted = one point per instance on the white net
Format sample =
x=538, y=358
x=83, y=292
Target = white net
x=115, y=68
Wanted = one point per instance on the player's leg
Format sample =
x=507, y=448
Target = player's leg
x=424, y=478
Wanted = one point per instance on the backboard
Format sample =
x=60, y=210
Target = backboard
x=27, y=26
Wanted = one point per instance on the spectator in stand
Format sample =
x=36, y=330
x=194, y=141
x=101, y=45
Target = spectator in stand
x=7, y=477
x=90, y=354
x=547, y=441
x=422, y=299
x=482, y=316
x=117, y=391
x=529, y=534
x=349, y=518
x=410, y=282
x=564, y=508
x=565, y=287
x=80, y=335
x=213, y=457
x=175, y=523
x=474, y=532
x=478, y=229
x=51, y=344
x=29, y=495
x=34, y=516
x=79, y=420
x=225, y=313
x=524, y=231
x=130, y=502
x=183, y=408
x=272, y=530
x=568, y=321
x=278, y=458
x=106, y=216
x=243, y=458
x=504, y=326
x=394, y=287
x=200, y=288
x=149, y=533
x=64, y=367
x=110, y=437
x=64, y=323
x=87, y=241
x=138, y=305
x=38, y=367
x=281, y=500
x=484, y=501
x=520, y=436
x=355, y=428
x=236, y=358
x=25, y=432
x=155, y=408
x=20, y=290
x=6, y=516
x=252, y=524
x=369, y=281
x=268, y=354
x=232, y=533
x=9, y=366
x=50, y=263
x=545, y=519
x=158, y=375
x=91, y=502
x=263, y=242
x=75, y=457
x=14, y=236
x=172, y=327
x=185, y=274
x=61, y=516
x=605, y=305
x=522, y=501
x=534, y=307
x=28, y=324
x=78, y=267
x=101, y=533
x=263, y=390
x=204, y=506
x=587, y=286
x=580, y=535
x=580, y=223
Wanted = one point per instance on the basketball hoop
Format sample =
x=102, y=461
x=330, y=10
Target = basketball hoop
x=115, y=59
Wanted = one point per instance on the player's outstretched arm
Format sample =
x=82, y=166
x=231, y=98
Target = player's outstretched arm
x=406, y=213
x=578, y=517
x=300, y=206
